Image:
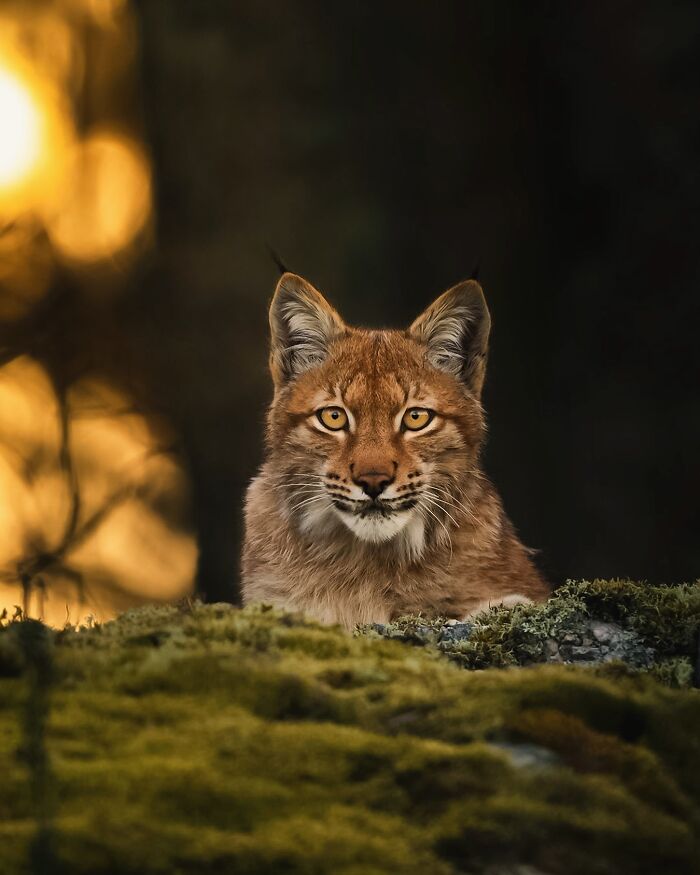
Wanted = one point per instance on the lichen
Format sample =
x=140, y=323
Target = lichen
x=193, y=739
x=647, y=627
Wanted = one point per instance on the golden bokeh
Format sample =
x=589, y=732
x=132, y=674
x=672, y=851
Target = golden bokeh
x=110, y=198
x=104, y=12
x=99, y=524
x=36, y=134
x=21, y=142
x=92, y=506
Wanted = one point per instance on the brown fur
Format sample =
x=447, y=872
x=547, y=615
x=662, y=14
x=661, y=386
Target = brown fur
x=308, y=546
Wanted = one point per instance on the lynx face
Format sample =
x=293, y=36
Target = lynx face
x=375, y=430
x=371, y=502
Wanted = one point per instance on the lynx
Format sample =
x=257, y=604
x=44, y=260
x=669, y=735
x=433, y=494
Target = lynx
x=371, y=502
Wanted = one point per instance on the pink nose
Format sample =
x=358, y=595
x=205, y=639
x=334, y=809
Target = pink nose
x=373, y=483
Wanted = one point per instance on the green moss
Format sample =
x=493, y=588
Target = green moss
x=659, y=625
x=208, y=739
x=675, y=672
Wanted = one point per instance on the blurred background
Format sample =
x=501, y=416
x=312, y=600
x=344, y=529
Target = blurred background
x=151, y=151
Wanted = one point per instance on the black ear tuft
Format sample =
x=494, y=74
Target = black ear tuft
x=476, y=270
x=281, y=266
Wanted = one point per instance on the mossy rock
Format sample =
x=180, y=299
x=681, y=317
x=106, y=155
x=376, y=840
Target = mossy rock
x=647, y=627
x=202, y=739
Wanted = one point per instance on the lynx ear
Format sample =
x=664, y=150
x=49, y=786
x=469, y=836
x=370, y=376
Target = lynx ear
x=302, y=326
x=455, y=328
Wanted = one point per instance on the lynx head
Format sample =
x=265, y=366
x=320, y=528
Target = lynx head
x=376, y=432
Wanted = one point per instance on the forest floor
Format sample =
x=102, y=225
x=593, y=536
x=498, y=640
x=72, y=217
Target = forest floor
x=562, y=738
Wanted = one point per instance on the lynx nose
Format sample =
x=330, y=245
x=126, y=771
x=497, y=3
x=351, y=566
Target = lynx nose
x=373, y=483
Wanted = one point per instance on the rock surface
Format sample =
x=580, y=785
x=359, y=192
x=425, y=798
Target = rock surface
x=600, y=642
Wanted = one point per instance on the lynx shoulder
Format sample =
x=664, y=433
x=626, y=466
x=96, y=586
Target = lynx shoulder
x=371, y=502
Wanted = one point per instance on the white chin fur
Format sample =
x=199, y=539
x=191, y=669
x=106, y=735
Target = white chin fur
x=406, y=529
x=375, y=529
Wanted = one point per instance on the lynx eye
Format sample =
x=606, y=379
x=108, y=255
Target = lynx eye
x=416, y=418
x=334, y=418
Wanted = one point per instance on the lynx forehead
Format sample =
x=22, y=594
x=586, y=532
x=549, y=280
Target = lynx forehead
x=371, y=500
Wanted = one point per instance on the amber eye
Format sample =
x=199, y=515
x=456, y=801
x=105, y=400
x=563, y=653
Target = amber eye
x=416, y=418
x=333, y=418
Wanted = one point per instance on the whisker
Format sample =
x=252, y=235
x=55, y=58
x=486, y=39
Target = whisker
x=281, y=483
x=447, y=474
x=297, y=487
x=443, y=489
x=307, y=501
x=452, y=503
x=449, y=537
x=287, y=478
x=436, y=502
x=301, y=474
x=454, y=500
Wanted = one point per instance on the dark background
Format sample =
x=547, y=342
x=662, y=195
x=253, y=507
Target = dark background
x=383, y=148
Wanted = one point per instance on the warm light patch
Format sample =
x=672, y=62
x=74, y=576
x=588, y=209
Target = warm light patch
x=35, y=131
x=20, y=118
x=104, y=12
x=110, y=200
x=101, y=535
